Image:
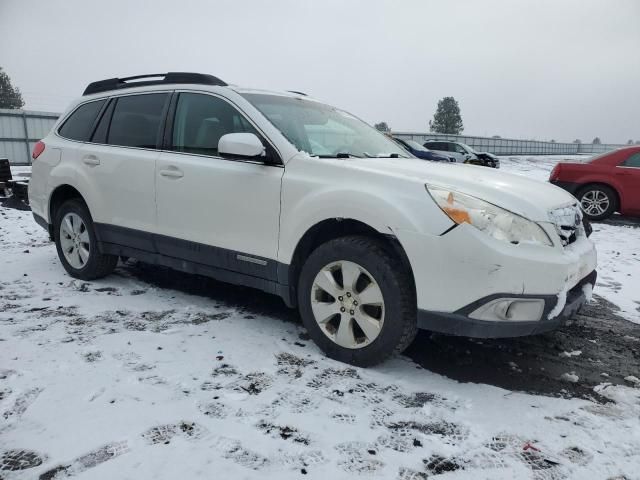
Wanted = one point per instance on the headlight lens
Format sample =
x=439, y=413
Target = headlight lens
x=494, y=221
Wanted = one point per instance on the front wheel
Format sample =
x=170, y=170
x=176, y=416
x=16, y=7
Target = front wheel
x=598, y=201
x=76, y=243
x=357, y=301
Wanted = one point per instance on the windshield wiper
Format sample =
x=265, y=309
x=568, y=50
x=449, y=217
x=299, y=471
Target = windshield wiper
x=338, y=155
x=385, y=155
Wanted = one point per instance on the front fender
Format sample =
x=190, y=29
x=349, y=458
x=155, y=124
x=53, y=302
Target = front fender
x=384, y=203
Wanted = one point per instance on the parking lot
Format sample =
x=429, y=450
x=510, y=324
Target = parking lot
x=161, y=374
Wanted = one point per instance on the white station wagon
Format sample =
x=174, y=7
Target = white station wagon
x=283, y=193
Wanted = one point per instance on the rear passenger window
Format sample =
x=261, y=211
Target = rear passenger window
x=79, y=125
x=201, y=120
x=136, y=120
x=100, y=134
x=633, y=161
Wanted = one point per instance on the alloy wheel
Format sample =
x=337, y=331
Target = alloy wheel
x=74, y=240
x=347, y=304
x=595, y=202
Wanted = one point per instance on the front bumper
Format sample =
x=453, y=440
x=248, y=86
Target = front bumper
x=460, y=324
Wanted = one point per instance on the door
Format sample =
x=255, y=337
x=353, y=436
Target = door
x=216, y=211
x=119, y=166
x=628, y=176
x=438, y=147
x=461, y=151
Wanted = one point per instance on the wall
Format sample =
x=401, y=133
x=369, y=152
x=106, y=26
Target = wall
x=507, y=146
x=20, y=130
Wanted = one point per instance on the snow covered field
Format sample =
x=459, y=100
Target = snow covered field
x=121, y=378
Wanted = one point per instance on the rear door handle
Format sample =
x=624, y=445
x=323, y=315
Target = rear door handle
x=172, y=173
x=91, y=160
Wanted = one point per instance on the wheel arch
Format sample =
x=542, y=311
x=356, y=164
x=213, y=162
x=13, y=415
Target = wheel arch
x=333, y=228
x=61, y=194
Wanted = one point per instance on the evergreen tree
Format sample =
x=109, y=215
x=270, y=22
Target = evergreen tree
x=10, y=97
x=383, y=127
x=596, y=141
x=630, y=142
x=447, y=118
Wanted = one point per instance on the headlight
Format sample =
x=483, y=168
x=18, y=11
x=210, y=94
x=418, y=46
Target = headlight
x=494, y=221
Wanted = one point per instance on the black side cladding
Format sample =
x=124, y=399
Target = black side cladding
x=153, y=79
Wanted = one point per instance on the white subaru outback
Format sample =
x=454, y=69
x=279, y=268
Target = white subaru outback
x=283, y=193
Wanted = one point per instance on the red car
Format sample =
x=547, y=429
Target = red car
x=604, y=184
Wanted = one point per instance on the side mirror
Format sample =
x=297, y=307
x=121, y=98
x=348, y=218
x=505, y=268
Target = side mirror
x=246, y=145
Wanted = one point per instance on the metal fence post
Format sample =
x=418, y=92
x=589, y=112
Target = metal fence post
x=26, y=135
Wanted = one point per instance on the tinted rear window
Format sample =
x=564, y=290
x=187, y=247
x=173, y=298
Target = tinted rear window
x=136, y=120
x=79, y=125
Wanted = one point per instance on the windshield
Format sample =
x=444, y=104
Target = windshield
x=416, y=146
x=321, y=130
x=471, y=150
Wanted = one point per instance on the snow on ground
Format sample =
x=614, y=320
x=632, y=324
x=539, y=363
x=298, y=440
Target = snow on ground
x=617, y=241
x=118, y=378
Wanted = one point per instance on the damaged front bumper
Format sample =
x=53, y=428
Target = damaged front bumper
x=470, y=284
x=462, y=324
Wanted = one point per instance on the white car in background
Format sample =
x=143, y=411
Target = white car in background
x=283, y=193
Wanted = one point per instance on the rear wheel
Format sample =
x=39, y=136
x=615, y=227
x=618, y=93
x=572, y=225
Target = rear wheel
x=76, y=243
x=356, y=301
x=598, y=201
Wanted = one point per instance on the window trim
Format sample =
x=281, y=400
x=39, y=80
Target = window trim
x=168, y=134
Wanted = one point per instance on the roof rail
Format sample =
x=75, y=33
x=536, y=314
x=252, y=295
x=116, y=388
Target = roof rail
x=160, y=79
x=298, y=93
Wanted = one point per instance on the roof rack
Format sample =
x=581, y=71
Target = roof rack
x=298, y=93
x=160, y=79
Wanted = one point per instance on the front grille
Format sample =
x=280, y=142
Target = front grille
x=568, y=223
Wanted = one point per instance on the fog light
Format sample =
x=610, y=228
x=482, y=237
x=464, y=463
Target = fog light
x=510, y=309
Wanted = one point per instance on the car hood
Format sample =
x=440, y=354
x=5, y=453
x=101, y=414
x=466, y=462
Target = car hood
x=532, y=199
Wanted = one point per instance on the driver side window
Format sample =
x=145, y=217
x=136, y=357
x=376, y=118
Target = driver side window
x=200, y=120
x=459, y=148
x=632, y=161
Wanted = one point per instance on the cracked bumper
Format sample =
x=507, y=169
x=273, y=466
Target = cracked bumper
x=459, y=323
x=465, y=266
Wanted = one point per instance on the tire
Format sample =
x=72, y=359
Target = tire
x=388, y=313
x=92, y=264
x=598, y=202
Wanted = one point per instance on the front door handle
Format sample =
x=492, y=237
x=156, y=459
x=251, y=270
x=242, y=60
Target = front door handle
x=91, y=160
x=172, y=173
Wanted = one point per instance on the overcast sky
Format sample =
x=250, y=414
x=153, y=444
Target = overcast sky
x=543, y=69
